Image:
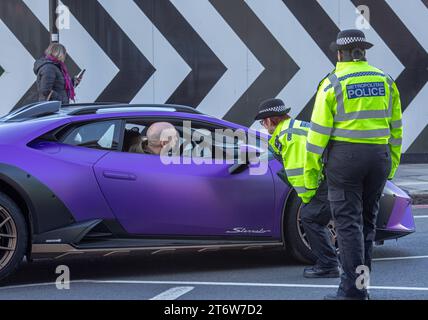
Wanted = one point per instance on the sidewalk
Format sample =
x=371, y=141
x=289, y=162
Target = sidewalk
x=414, y=179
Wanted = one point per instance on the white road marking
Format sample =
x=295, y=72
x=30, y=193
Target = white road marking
x=420, y=206
x=227, y=284
x=421, y=217
x=173, y=293
x=43, y=284
x=411, y=183
x=401, y=258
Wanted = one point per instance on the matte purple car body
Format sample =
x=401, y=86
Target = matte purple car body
x=183, y=199
x=145, y=198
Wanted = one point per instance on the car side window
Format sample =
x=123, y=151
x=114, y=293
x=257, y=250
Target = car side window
x=212, y=142
x=102, y=135
x=134, y=137
x=216, y=143
x=199, y=140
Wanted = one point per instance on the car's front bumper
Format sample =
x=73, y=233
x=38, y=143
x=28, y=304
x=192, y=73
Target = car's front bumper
x=395, y=218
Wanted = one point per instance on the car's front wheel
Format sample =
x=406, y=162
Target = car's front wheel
x=13, y=236
x=296, y=241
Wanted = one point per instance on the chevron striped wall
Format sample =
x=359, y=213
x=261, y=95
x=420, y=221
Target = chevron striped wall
x=220, y=56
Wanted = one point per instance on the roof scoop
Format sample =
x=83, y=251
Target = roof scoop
x=34, y=110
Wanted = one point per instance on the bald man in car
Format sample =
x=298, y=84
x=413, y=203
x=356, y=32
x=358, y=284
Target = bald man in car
x=162, y=137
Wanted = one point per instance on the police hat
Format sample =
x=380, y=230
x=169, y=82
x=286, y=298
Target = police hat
x=349, y=39
x=272, y=108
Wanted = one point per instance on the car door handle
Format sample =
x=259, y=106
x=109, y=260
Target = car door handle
x=119, y=175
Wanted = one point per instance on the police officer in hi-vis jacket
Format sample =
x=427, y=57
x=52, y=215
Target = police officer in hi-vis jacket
x=288, y=141
x=356, y=128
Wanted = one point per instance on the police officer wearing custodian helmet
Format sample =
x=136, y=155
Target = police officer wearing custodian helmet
x=356, y=128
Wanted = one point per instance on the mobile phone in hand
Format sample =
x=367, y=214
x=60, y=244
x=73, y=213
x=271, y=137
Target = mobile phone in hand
x=81, y=73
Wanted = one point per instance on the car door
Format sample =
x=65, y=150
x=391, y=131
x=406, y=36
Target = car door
x=149, y=197
x=65, y=164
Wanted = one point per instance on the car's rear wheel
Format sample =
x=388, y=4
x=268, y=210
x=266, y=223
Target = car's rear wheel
x=13, y=236
x=296, y=241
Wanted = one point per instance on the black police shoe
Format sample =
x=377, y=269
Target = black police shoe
x=317, y=272
x=338, y=297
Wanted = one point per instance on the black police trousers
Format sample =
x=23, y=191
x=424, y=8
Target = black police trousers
x=315, y=217
x=356, y=175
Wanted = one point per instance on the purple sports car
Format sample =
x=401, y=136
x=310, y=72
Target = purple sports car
x=70, y=184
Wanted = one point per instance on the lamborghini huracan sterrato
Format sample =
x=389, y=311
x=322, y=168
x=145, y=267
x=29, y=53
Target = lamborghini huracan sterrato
x=68, y=185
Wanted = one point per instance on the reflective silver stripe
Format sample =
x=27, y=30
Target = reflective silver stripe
x=299, y=132
x=300, y=189
x=390, y=83
x=338, y=92
x=344, y=133
x=396, y=124
x=341, y=115
x=396, y=142
x=320, y=129
x=314, y=149
x=362, y=114
x=294, y=172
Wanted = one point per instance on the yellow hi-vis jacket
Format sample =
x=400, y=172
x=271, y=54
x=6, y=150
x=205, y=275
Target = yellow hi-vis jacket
x=356, y=103
x=289, y=142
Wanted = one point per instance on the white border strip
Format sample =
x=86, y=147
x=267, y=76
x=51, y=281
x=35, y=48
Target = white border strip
x=231, y=284
x=400, y=258
x=420, y=206
x=173, y=293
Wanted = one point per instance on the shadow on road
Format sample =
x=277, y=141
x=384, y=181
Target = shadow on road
x=149, y=265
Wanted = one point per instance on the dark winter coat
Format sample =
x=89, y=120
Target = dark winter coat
x=50, y=78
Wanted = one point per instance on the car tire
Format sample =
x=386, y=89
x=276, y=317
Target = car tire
x=14, y=235
x=294, y=240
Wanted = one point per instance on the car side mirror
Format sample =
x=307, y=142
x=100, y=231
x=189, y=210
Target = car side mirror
x=248, y=154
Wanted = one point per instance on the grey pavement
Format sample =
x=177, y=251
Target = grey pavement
x=399, y=272
x=414, y=179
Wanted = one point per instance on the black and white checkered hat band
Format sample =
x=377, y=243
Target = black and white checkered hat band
x=275, y=109
x=348, y=40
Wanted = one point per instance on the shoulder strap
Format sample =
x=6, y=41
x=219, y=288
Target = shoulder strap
x=305, y=124
x=278, y=143
x=290, y=132
x=328, y=74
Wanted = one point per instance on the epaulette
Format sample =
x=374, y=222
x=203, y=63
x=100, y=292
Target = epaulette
x=328, y=74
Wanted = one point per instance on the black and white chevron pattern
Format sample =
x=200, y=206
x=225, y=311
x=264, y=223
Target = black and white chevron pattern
x=220, y=56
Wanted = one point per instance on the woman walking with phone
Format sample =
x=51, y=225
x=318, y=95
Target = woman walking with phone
x=53, y=79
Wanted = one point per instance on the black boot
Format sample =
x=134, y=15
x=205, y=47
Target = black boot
x=317, y=272
x=338, y=297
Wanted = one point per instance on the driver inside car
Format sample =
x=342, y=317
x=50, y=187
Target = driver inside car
x=162, y=138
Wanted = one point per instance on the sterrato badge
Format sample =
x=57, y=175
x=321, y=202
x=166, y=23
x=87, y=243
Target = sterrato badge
x=245, y=230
